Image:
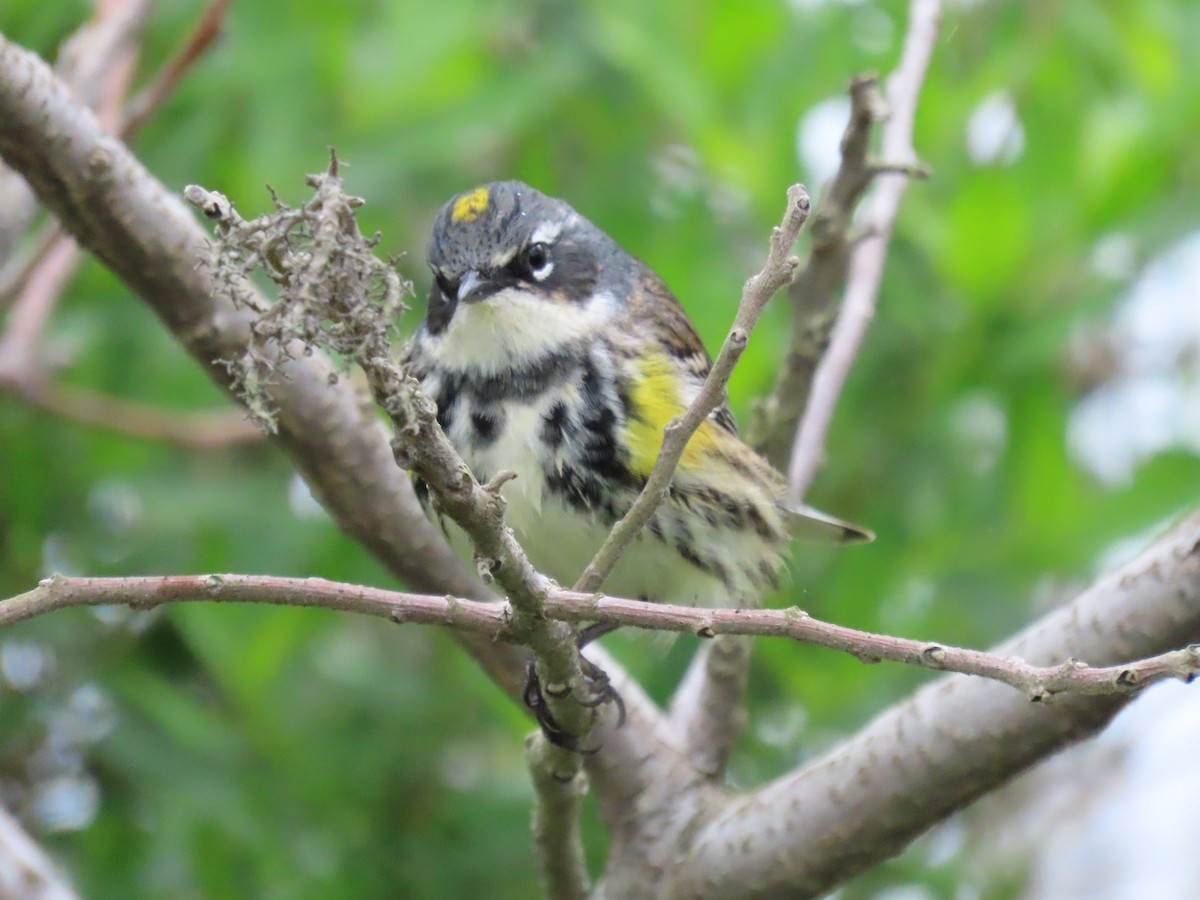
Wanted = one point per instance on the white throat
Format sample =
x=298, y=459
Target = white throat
x=512, y=327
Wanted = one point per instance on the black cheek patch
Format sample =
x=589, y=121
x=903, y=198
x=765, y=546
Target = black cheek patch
x=441, y=310
x=575, y=272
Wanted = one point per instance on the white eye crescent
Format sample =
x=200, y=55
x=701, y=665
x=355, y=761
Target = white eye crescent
x=537, y=260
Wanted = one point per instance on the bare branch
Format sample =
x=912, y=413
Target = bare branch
x=708, y=708
x=195, y=430
x=151, y=240
x=24, y=373
x=497, y=622
x=31, y=311
x=955, y=739
x=777, y=271
x=25, y=870
x=18, y=206
x=19, y=268
x=557, y=838
x=194, y=46
x=97, y=62
x=815, y=293
x=719, y=717
x=870, y=253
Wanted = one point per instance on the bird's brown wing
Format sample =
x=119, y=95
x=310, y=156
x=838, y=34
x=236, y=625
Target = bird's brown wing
x=653, y=305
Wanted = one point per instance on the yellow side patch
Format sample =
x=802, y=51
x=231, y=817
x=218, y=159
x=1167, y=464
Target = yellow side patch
x=470, y=205
x=654, y=402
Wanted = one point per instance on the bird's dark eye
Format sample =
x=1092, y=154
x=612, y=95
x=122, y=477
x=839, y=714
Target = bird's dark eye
x=537, y=261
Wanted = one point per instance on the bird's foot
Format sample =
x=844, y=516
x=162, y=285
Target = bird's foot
x=600, y=691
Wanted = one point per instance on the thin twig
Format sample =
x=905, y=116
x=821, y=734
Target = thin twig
x=708, y=708
x=18, y=269
x=26, y=871
x=869, y=254
x=496, y=621
x=18, y=206
x=29, y=314
x=557, y=835
x=148, y=100
x=710, y=715
x=25, y=375
x=777, y=271
x=97, y=62
x=815, y=294
x=201, y=430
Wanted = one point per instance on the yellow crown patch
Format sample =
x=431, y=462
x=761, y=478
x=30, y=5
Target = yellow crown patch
x=470, y=205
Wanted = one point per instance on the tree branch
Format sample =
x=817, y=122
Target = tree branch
x=557, y=839
x=913, y=765
x=777, y=271
x=97, y=63
x=17, y=269
x=31, y=311
x=200, y=430
x=711, y=726
x=869, y=254
x=147, y=101
x=146, y=235
x=708, y=708
x=25, y=870
x=816, y=291
x=497, y=622
x=954, y=740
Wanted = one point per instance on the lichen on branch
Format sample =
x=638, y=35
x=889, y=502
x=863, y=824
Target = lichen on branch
x=334, y=293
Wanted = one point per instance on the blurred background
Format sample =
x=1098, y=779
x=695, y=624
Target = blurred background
x=1025, y=413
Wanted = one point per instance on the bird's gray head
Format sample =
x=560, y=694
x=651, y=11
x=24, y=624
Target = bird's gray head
x=506, y=243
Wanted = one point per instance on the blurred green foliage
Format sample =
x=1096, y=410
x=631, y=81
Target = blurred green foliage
x=238, y=752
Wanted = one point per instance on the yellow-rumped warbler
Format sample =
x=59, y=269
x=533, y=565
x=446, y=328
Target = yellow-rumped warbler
x=552, y=352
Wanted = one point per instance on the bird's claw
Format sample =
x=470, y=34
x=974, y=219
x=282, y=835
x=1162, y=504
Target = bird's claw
x=599, y=687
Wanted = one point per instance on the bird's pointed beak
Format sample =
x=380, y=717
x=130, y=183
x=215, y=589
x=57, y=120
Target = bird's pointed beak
x=473, y=286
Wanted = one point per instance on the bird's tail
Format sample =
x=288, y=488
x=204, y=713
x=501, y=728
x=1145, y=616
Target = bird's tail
x=808, y=524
